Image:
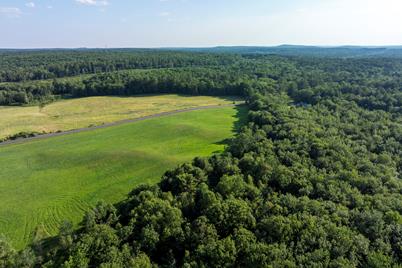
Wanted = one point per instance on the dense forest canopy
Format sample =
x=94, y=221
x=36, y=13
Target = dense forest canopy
x=377, y=80
x=313, y=180
x=297, y=50
x=23, y=65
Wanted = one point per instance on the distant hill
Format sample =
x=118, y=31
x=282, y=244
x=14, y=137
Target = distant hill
x=295, y=50
x=286, y=50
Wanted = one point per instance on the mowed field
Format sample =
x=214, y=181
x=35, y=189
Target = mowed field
x=44, y=182
x=92, y=111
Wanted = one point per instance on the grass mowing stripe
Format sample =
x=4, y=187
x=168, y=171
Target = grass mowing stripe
x=45, y=181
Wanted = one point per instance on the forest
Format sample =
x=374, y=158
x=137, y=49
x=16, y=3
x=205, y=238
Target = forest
x=190, y=81
x=23, y=65
x=314, y=179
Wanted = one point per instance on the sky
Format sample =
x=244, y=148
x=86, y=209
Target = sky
x=198, y=23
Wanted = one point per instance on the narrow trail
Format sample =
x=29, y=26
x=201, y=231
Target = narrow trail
x=117, y=123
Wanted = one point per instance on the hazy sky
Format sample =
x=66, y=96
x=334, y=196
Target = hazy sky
x=179, y=23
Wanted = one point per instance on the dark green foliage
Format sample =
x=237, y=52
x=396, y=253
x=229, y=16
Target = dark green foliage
x=189, y=81
x=24, y=65
x=10, y=258
x=313, y=179
x=296, y=188
x=372, y=83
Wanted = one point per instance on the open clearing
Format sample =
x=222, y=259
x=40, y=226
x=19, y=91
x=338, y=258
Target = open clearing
x=92, y=111
x=44, y=182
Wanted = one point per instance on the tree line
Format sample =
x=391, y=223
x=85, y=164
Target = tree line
x=372, y=83
x=21, y=65
x=190, y=81
x=312, y=180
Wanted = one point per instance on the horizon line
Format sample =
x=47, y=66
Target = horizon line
x=204, y=47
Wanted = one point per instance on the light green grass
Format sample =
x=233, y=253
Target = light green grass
x=84, y=112
x=44, y=182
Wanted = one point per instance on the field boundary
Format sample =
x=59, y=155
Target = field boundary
x=117, y=123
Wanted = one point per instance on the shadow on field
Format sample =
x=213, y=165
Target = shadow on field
x=41, y=243
x=241, y=116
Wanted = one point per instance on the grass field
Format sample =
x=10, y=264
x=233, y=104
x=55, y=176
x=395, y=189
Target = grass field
x=84, y=112
x=44, y=182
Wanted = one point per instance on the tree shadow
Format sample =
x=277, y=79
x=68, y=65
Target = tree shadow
x=241, y=119
x=43, y=244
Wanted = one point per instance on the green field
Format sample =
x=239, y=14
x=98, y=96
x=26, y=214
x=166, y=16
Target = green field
x=84, y=112
x=44, y=182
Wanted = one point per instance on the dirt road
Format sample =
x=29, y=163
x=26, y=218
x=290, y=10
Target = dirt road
x=117, y=123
